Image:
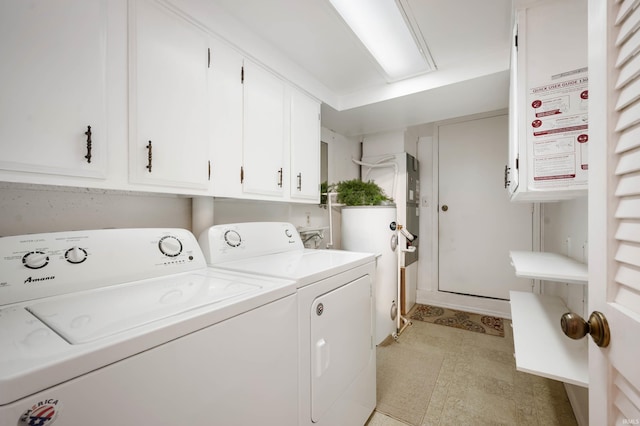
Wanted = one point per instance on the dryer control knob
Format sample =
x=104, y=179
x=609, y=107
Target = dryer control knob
x=232, y=238
x=170, y=246
x=35, y=260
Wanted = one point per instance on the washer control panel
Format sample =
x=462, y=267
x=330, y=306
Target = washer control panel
x=41, y=265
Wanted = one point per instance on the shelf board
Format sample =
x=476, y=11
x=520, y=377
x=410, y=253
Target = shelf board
x=548, y=266
x=540, y=346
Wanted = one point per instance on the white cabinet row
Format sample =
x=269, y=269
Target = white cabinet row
x=202, y=118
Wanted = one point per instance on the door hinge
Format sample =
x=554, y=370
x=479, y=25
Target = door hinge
x=515, y=42
x=242, y=75
x=208, y=57
x=518, y=163
x=209, y=171
x=241, y=174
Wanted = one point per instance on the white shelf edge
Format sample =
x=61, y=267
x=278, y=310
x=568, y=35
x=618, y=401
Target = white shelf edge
x=540, y=346
x=548, y=266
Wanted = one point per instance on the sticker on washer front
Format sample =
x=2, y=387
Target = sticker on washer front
x=42, y=413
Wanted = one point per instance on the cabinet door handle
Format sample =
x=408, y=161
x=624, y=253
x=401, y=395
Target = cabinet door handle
x=88, y=133
x=280, y=177
x=150, y=156
x=300, y=181
x=506, y=176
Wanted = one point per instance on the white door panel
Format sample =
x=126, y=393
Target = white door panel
x=341, y=341
x=479, y=225
x=53, y=87
x=614, y=210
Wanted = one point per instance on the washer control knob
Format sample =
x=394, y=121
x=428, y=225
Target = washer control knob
x=232, y=238
x=35, y=260
x=75, y=255
x=170, y=246
x=288, y=233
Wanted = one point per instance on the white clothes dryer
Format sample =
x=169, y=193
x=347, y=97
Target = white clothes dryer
x=130, y=327
x=336, y=325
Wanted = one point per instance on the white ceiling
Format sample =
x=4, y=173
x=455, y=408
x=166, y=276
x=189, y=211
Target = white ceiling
x=468, y=39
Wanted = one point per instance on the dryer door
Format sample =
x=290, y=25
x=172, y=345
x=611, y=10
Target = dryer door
x=341, y=342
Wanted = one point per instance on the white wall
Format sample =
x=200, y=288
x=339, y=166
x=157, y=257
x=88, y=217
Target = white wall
x=564, y=231
x=384, y=143
x=342, y=150
x=27, y=209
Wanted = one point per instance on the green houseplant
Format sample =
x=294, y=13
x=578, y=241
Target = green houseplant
x=356, y=192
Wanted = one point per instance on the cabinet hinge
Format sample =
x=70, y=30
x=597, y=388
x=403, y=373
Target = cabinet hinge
x=208, y=57
x=241, y=174
x=242, y=75
x=209, y=171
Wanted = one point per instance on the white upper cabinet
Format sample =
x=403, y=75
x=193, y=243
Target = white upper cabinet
x=549, y=135
x=169, y=74
x=264, y=160
x=305, y=147
x=53, y=72
x=265, y=134
x=226, y=120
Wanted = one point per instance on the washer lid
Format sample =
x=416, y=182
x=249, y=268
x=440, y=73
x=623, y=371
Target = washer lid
x=88, y=316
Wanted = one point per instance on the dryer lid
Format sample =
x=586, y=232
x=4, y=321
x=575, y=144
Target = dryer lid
x=305, y=266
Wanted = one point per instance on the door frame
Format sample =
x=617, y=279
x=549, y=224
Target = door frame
x=477, y=304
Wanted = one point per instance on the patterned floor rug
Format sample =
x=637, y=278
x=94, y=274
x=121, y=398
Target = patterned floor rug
x=464, y=320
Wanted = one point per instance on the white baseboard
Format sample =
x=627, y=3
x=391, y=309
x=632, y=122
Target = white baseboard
x=479, y=305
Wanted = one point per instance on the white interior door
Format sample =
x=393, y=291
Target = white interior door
x=614, y=209
x=477, y=223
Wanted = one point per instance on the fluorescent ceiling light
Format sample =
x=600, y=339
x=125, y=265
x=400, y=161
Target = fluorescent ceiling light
x=382, y=28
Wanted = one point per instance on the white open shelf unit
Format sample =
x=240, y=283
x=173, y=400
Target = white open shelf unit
x=540, y=346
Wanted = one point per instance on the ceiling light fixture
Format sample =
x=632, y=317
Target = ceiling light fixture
x=385, y=29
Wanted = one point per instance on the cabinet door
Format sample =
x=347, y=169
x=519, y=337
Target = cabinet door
x=53, y=86
x=226, y=120
x=263, y=150
x=512, y=173
x=169, y=133
x=305, y=147
x=551, y=101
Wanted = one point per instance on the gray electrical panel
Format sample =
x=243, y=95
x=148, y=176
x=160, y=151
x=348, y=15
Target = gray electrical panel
x=412, y=222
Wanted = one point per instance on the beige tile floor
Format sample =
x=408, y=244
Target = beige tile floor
x=477, y=382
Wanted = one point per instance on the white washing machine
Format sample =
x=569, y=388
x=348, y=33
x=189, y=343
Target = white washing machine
x=130, y=327
x=336, y=325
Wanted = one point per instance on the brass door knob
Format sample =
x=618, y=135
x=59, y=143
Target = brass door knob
x=445, y=208
x=576, y=328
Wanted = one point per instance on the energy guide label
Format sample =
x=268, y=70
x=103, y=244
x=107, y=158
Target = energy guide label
x=558, y=128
